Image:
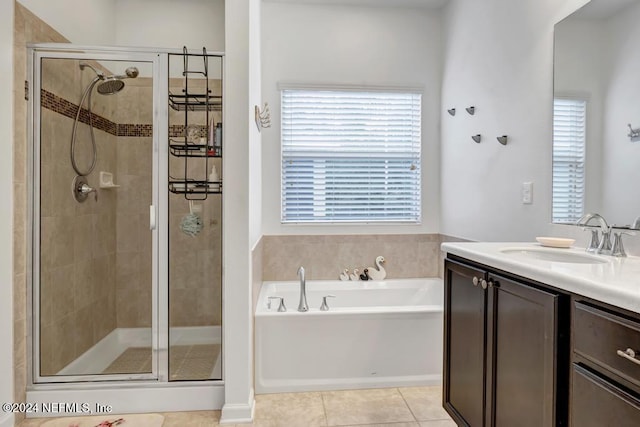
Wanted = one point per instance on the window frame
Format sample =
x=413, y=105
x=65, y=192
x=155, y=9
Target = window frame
x=418, y=199
x=568, y=217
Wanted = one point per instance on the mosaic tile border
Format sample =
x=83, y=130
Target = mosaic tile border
x=62, y=106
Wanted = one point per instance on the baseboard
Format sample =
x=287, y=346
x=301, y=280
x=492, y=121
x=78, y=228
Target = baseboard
x=7, y=420
x=132, y=398
x=238, y=413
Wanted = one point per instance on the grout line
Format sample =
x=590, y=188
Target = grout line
x=324, y=409
x=408, y=406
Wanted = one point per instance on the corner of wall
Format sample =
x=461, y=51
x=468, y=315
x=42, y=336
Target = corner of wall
x=6, y=214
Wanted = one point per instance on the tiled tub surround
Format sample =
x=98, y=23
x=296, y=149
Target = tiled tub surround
x=325, y=256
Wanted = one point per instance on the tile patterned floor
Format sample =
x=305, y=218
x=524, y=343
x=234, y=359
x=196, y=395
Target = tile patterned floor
x=390, y=407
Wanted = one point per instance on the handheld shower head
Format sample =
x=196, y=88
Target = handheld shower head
x=114, y=84
x=110, y=86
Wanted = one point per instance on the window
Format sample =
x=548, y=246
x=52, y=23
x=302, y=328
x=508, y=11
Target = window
x=350, y=156
x=569, y=136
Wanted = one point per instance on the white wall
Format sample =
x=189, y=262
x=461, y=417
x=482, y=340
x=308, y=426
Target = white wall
x=239, y=92
x=621, y=170
x=140, y=23
x=89, y=22
x=351, y=45
x=498, y=57
x=6, y=217
x=255, y=137
x=170, y=23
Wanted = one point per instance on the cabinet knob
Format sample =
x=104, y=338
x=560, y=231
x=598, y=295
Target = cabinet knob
x=484, y=284
x=475, y=281
x=492, y=284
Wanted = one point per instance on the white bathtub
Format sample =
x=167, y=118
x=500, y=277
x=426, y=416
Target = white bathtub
x=375, y=334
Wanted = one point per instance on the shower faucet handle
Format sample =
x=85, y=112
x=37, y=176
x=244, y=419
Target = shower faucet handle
x=85, y=189
x=81, y=189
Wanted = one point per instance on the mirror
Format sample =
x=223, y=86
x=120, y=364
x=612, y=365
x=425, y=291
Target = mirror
x=596, y=143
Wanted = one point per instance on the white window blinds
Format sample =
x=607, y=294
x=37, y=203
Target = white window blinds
x=350, y=156
x=569, y=136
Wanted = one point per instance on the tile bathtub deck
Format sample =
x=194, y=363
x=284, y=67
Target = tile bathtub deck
x=388, y=407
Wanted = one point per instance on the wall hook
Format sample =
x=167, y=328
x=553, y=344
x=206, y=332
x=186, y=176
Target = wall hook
x=633, y=133
x=263, y=118
x=502, y=139
x=452, y=111
x=477, y=138
x=471, y=110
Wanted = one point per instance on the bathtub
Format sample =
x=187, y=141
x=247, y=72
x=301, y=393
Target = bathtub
x=375, y=334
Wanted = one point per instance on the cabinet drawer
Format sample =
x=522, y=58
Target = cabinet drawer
x=598, y=403
x=600, y=337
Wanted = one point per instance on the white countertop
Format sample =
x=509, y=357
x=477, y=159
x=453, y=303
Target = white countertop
x=615, y=282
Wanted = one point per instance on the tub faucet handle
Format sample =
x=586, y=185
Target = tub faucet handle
x=281, y=306
x=324, y=306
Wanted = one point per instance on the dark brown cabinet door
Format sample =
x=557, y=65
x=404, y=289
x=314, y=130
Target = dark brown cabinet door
x=464, y=346
x=521, y=367
x=598, y=403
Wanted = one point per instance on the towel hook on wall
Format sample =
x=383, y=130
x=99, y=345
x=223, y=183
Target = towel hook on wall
x=452, y=111
x=477, y=138
x=471, y=110
x=633, y=133
x=263, y=117
x=502, y=139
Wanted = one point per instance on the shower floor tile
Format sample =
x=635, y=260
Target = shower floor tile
x=186, y=362
x=134, y=360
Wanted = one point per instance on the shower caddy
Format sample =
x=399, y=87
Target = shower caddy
x=195, y=186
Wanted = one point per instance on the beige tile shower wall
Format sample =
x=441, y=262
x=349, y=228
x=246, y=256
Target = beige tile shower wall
x=28, y=28
x=78, y=240
x=324, y=257
x=195, y=265
x=134, y=175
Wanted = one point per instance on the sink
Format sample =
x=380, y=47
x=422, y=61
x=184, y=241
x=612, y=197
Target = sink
x=554, y=255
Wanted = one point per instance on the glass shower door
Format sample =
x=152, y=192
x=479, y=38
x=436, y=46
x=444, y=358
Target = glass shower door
x=94, y=162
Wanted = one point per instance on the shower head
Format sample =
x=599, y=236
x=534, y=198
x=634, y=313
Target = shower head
x=114, y=84
x=110, y=86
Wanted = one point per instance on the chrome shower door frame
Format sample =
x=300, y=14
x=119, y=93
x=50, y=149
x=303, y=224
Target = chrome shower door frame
x=158, y=209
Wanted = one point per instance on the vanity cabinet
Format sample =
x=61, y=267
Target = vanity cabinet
x=605, y=376
x=506, y=351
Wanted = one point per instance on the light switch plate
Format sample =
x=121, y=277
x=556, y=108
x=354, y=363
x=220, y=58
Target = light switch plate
x=527, y=193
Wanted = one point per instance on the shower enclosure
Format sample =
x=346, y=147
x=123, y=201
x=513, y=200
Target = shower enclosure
x=121, y=288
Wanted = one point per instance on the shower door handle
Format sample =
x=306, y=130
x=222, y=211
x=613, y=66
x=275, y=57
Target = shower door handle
x=152, y=217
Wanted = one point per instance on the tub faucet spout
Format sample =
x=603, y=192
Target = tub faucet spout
x=302, y=305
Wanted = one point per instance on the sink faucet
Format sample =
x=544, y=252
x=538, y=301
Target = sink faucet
x=597, y=245
x=302, y=305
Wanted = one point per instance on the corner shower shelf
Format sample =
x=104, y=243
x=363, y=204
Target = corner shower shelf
x=195, y=187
